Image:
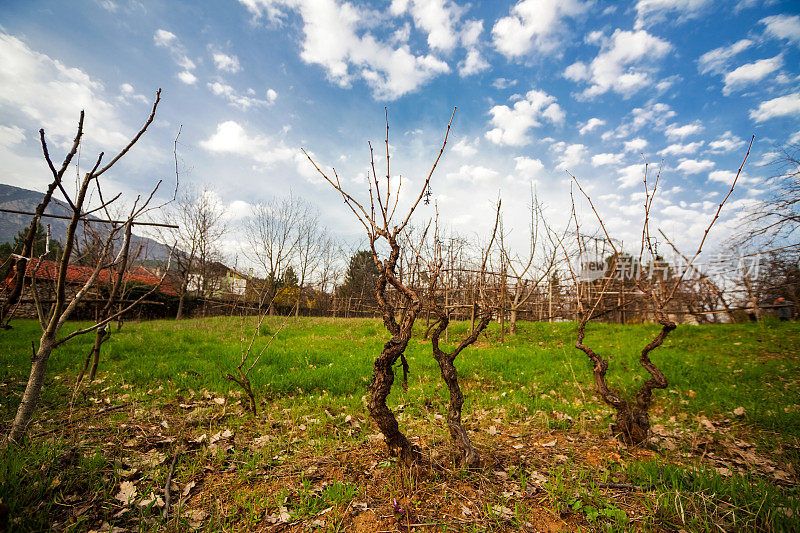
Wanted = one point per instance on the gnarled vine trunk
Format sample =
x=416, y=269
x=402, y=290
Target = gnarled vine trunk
x=394, y=349
x=632, y=420
x=382, y=380
x=458, y=434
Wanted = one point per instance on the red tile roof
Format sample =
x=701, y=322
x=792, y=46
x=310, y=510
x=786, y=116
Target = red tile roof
x=48, y=270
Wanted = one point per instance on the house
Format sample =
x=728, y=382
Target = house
x=45, y=272
x=218, y=281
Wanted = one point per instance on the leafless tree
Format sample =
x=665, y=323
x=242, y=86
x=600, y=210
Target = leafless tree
x=201, y=227
x=777, y=218
x=66, y=304
x=382, y=228
x=310, y=250
x=632, y=420
x=272, y=234
x=329, y=271
x=527, y=276
x=705, y=282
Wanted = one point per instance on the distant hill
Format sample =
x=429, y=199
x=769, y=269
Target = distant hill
x=25, y=200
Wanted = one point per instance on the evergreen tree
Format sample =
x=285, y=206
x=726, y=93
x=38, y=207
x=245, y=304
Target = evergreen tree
x=39, y=245
x=360, y=279
x=290, y=279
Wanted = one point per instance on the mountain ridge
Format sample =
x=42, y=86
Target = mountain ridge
x=20, y=199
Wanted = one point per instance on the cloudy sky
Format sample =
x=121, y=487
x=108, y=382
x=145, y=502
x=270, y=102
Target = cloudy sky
x=541, y=86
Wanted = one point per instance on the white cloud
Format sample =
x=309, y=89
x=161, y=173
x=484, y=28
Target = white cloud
x=675, y=131
x=607, y=159
x=652, y=11
x=108, y=5
x=465, y=148
x=333, y=39
x=693, y=166
x=474, y=174
x=768, y=158
x=783, y=27
x=402, y=34
x=653, y=116
x=45, y=93
x=231, y=138
x=631, y=175
x=511, y=125
x=527, y=169
x=226, y=63
x=472, y=64
x=716, y=61
x=621, y=64
x=795, y=138
x=169, y=40
x=635, y=145
x=129, y=93
x=534, y=25
x=239, y=100
x=503, y=83
x=570, y=155
x=238, y=210
x=187, y=77
x=10, y=135
x=590, y=125
x=437, y=18
x=165, y=38
x=777, y=107
x=441, y=20
x=726, y=143
x=750, y=73
x=471, y=32
x=727, y=177
x=682, y=149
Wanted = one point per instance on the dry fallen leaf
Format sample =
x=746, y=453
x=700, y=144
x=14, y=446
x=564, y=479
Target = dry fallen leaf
x=724, y=472
x=739, y=411
x=221, y=435
x=188, y=488
x=196, y=517
x=153, y=498
x=707, y=424
x=127, y=491
x=504, y=512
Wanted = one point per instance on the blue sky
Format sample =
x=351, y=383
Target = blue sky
x=541, y=86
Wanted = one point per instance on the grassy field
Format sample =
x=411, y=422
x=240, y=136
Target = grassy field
x=311, y=460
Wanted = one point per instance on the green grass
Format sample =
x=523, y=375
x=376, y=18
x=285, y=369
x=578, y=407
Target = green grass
x=316, y=373
x=42, y=477
x=711, y=369
x=698, y=498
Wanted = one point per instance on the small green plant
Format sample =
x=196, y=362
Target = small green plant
x=338, y=493
x=599, y=509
